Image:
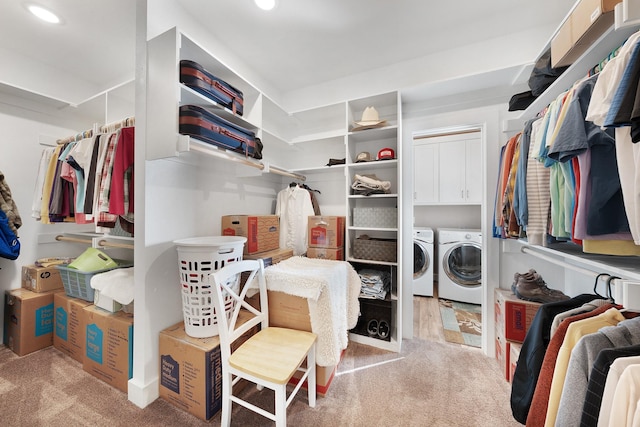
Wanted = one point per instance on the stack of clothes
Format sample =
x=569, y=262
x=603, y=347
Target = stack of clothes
x=375, y=283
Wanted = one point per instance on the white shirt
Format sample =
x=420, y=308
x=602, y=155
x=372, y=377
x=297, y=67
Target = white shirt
x=294, y=208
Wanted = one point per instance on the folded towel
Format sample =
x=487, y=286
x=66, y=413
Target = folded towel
x=116, y=284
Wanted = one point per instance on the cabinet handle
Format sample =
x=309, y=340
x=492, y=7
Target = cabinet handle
x=467, y=194
x=462, y=194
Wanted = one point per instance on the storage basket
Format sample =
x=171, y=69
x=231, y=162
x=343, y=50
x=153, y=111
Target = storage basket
x=198, y=257
x=375, y=249
x=375, y=217
x=78, y=283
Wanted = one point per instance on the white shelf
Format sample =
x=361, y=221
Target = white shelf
x=189, y=96
x=371, y=228
x=374, y=196
x=571, y=256
x=392, y=345
x=373, y=262
x=598, y=51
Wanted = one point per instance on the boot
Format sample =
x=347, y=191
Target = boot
x=531, y=287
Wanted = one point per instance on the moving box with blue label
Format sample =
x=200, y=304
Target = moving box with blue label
x=191, y=369
x=28, y=320
x=109, y=346
x=69, y=327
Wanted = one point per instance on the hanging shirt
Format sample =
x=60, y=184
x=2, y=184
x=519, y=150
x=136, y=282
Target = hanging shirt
x=294, y=208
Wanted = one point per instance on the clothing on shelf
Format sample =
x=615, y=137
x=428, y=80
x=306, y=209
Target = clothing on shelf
x=88, y=180
x=375, y=283
x=571, y=174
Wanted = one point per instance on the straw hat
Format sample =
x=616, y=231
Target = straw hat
x=370, y=119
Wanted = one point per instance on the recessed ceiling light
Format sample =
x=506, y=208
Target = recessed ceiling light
x=265, y=4
x=44, y=14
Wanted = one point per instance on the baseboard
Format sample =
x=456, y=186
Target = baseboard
x=142, y=395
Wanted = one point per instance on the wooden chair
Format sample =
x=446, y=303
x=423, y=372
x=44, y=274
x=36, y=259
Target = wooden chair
x=269, y=358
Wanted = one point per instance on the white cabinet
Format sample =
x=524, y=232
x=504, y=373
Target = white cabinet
x=448, y=170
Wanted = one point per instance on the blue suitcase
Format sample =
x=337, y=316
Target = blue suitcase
x=202, y=81
x=204, y=125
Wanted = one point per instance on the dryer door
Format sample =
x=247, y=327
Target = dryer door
x=421, y=259
x=462, y=264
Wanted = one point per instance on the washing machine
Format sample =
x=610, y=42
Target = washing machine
x=460, y=266
x=423, y=261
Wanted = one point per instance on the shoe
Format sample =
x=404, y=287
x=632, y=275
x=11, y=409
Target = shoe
x=531, y=287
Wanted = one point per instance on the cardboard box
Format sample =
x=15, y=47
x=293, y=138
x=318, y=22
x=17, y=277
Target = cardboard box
x=69, y=326
x=584, y=25
x=262, y=232
x=41, y=279
x=271, y=257
x=514, y=354
x=191, y=371
x=326, y=253
x=513, y=316
x=28, y=320
x=326, y=231
x=502, y=354
x=108, y=346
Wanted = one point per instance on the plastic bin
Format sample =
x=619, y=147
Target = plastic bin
x=198, y=257
x=78, y=283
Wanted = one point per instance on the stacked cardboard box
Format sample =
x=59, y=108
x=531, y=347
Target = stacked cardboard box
x=191, y=370
x=513, y=317
x=108, y=346
x=262, y=231
x=28, y=320
x=326, y=237
x=69, y=326
x=41, y=279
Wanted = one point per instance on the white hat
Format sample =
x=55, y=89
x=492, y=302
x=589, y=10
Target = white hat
x=370, y=119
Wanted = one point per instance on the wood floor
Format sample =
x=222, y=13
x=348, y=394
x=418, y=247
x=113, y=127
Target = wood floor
x=427, y=323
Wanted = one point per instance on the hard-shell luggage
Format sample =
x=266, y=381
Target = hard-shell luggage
x=204, y=125
x=197, y=78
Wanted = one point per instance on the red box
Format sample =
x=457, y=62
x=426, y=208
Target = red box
x=262, y=231
x=326, y=231
x=502, y=354
x=326, y=253
x=513, y=316
x=514, y=354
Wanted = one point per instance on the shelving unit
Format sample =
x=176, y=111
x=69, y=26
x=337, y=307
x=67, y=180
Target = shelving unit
x=372, y=141
x=567, y=255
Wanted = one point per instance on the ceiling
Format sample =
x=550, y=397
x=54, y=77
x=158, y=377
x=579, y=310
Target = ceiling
x=299, y=44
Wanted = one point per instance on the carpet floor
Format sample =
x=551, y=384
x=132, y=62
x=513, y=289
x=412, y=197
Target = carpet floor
x=462, y=322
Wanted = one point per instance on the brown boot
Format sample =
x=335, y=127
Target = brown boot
x=531, y=287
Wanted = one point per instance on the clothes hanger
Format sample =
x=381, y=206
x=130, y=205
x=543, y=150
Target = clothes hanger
x=595, y=284
x=609, y=295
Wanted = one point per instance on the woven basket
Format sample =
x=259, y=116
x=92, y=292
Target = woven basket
x=376, y=249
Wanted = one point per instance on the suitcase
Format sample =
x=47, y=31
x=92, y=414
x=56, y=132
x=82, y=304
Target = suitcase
x=203, y=125
x=197, y=78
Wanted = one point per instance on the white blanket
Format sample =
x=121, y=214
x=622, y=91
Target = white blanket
x=331, y=289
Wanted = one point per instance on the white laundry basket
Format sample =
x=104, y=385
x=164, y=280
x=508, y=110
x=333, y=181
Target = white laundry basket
x=198, y=257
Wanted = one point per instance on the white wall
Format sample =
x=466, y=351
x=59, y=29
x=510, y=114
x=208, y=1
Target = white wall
x=23, y=127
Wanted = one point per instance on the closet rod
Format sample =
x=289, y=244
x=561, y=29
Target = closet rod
x=104, y=243
x=212, y=151
x=127, y=122
x=528, y=250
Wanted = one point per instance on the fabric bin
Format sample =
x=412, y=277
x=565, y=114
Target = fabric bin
x=375, y=217
x=375, y=249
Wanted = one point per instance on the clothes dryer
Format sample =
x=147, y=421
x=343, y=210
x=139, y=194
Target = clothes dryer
x=460, y=267
x=423, y=261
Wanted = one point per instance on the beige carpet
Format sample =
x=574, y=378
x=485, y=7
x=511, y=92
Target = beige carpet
x=428, y=384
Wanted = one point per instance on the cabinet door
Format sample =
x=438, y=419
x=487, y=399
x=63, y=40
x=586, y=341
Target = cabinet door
x=451, y=185
x=473, y=169
x=425, y=173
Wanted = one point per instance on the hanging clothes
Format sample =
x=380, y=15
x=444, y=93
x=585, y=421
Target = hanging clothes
x=293, y=206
